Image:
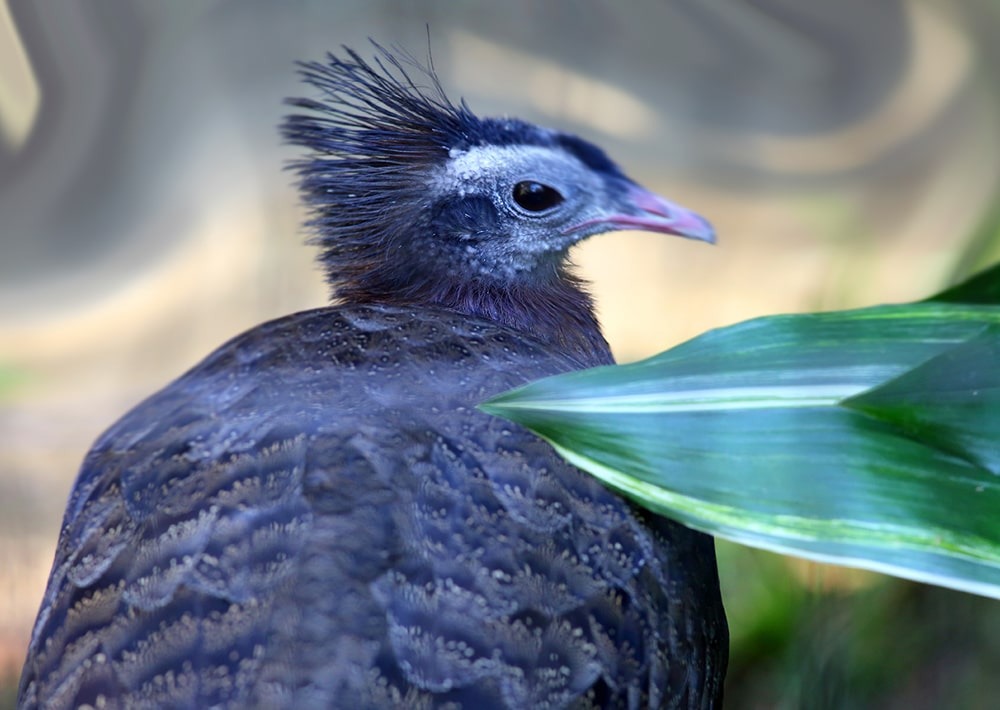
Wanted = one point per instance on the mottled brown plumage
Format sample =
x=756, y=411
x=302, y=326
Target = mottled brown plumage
x=317, y=515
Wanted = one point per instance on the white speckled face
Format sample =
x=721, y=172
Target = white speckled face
x=479, y=161
x=494, y=166
x=524, y=234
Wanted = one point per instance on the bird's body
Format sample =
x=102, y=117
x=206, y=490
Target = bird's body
x=317, y=515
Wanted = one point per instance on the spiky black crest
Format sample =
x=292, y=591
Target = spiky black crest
x=376, y=112
x=381, y=111
x=374, y=135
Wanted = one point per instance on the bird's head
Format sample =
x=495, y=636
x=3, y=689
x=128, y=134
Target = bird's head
x=417, y=200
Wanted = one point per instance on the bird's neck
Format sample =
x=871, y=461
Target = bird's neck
x=556, y=311
x=559, y=313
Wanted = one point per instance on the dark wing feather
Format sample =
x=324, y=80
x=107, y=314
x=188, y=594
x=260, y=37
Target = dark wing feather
x=317, y=515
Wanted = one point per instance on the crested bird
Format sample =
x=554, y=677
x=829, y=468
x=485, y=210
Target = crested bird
x=317, y=515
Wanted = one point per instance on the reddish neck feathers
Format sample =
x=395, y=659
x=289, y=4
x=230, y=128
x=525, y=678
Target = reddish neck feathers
x=557, y=312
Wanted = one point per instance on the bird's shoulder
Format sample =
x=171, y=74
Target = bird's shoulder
x=319, y=373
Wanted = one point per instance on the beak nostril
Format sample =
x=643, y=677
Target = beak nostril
x=650, y=202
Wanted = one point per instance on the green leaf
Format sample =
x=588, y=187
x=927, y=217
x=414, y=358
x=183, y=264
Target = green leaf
x=983, y=288
x=952, y=401
x=845, y=437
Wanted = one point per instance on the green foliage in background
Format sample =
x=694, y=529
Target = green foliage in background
x=11, y=378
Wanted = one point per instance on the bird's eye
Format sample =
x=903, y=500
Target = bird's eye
x=536, y=197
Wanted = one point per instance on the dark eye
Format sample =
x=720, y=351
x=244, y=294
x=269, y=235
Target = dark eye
x=536, y=197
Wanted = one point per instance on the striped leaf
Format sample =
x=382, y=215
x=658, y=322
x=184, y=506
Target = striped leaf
x=867, y=438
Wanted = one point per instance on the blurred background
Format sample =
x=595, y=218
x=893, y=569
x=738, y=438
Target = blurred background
x=848, y=154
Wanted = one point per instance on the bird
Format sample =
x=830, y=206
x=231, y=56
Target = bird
x=318, y=514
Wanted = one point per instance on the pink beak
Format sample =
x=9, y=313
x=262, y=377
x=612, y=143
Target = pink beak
x=655, y=214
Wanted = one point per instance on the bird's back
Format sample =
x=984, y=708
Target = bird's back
x=318, y=516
